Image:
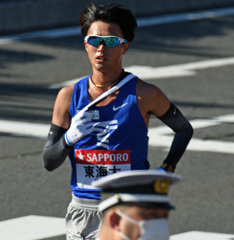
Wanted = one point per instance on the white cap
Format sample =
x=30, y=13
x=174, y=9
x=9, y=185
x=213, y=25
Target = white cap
x=148, y=187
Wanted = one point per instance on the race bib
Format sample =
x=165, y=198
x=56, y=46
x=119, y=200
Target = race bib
x=94, y=164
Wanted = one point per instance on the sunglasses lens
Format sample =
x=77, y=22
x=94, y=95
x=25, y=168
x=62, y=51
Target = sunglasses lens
x=109, y=41
x=94, y=41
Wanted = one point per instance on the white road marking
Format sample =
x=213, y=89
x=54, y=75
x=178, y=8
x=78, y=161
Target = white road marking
x=37, y=130
x=142, y=22
x=158, y=136
x=151, y=73
x=41, y=227
x=195, y=235
x=32, y=228
x=55, y=33
x=194, y=145
x=181, y=17
x=65, y=83
x=179, y=70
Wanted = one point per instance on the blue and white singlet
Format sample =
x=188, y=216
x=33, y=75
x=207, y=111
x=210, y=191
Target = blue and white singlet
x=118, y=142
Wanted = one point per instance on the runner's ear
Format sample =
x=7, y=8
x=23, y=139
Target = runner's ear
x=126, y=47
x=85, y=44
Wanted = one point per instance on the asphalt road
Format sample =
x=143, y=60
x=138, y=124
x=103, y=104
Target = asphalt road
x=204, y=198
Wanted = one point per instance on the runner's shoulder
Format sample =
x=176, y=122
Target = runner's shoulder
x=66, y=92
x=146, y=89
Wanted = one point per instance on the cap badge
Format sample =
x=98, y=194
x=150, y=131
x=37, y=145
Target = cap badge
x=161, y=186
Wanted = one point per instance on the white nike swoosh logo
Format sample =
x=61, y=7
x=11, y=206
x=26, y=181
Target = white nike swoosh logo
x=117, y=108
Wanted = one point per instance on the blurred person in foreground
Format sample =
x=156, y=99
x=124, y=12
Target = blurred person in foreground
x=135, y=205
x=102, y=121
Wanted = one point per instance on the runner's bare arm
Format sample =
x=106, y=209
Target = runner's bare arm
x=157, y=103
x=151, y=100
x=61, y=114
x=56, y=150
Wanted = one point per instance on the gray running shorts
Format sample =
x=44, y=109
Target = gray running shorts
x=83, y=219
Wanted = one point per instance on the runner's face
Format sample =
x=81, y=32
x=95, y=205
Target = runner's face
x=102, y=58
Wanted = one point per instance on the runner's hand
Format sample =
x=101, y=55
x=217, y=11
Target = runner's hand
x=166, y=168
x=81, y=126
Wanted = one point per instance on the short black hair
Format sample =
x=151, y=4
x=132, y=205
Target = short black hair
x=113, y=13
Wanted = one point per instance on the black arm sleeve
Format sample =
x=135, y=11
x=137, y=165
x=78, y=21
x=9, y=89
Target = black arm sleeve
x=174, y=119
x=55, y=150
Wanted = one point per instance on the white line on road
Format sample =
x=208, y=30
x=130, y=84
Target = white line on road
x=186, y=69
x=150, y=73
x=195, y=144
x=158, y=136
x=40, y=227
x=142, y=22
x=32, y=228
x=37, y=130
x=181, y=17
x=195, y=235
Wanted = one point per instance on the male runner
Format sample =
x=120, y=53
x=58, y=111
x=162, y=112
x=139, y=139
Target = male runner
x=110, y=136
